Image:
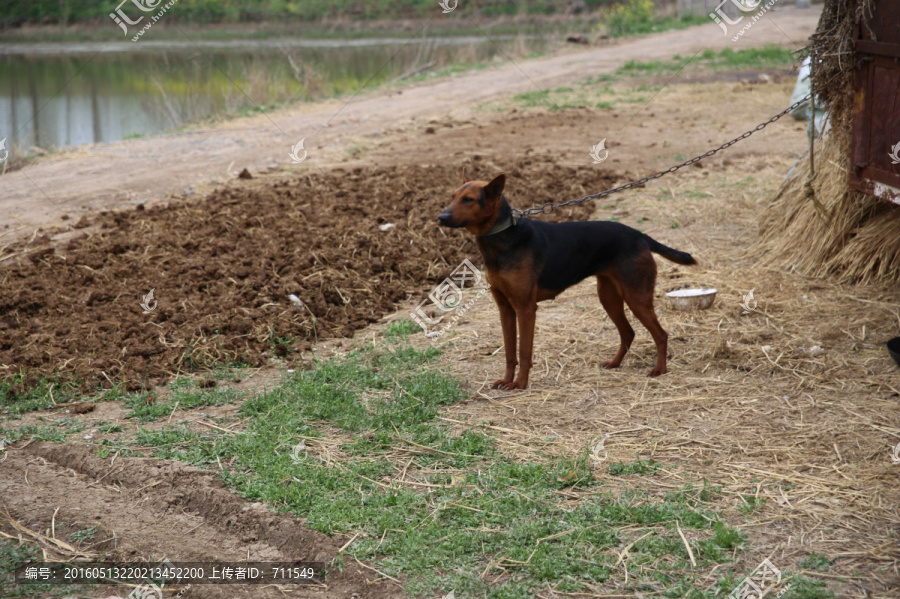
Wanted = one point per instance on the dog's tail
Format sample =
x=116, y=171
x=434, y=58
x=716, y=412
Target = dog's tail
x=668, y=253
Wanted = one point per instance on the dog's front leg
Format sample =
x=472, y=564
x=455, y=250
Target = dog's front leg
x=508, y=324
x=526, y=316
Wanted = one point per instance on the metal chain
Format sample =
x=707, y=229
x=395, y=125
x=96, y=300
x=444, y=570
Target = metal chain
x=550, y=206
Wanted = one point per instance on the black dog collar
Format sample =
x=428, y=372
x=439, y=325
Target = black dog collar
x=502, y=226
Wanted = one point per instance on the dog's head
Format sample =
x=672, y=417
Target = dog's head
x=475, y=205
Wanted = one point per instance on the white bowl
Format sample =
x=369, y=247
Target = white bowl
x=692, y=299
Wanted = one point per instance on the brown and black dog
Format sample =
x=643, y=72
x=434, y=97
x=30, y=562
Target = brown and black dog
x=528, y=261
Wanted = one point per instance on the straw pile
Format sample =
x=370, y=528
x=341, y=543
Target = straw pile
x=816, y=224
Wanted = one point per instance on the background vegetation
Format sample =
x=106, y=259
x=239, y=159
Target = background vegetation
x=13, y=12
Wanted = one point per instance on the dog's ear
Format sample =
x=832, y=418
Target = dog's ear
x=494, y=189
x=465, y=175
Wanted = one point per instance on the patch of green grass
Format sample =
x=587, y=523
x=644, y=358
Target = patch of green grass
x=751, y=504
x=653, y=67
x=558, y=99
x=533, y=98
x=31, y=431
x=81, y=536
x=401, y=328
x=792, y=586
x=198, y=398
x=728, y=59
x=145, y=409
x=590, y=93
x=179, y=443
x=480, y=511
x=815, y=561
x=605, y=78
x=184, y=394
x=766, y=56
x=802, y=587
x=108, y=448
x=18, y=395
x=636, y=467
x=12, y=554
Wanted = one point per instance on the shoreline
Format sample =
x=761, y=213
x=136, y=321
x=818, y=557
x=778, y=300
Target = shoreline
x=107, y=47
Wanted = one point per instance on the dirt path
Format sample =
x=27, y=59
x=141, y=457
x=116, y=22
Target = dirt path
x=153, y=509
x=111, y=175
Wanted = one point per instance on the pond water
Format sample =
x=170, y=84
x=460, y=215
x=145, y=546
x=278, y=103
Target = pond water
x=56, y=95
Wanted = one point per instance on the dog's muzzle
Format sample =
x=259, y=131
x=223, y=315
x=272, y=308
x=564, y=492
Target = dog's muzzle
x=446, y=219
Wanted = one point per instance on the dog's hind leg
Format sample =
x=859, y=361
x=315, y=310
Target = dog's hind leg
x=612, y=302
x=638, y=281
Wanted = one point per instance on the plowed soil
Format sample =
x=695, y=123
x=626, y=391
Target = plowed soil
x=222, y=269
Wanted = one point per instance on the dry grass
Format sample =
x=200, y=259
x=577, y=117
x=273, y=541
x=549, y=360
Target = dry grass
x=834, y=231
x=818, y=225
x=746, y=405
x=833, y=45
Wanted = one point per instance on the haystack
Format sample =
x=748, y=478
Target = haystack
x=817, y=224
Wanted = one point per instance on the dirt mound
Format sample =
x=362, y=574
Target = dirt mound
x=149, y=509
x=222, y=268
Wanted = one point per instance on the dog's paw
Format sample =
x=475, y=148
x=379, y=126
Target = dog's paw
x=610, y=364
x=509, y=385
x=656, y=372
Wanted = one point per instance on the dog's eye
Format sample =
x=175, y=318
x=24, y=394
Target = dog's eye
x=467, y=200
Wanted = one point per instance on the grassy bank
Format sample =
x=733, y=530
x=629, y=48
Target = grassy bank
x=343, y=29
